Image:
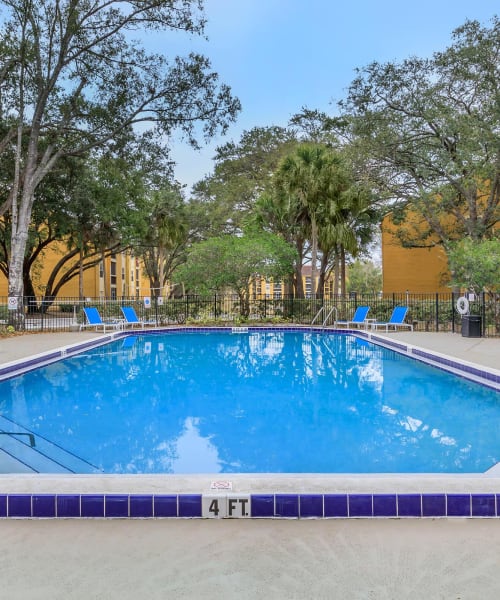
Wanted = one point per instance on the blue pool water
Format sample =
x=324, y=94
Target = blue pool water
x=260, y=402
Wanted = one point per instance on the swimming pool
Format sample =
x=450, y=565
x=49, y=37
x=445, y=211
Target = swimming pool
x=256, y=402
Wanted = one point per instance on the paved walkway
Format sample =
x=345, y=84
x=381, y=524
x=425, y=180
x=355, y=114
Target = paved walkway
x=307, y=559
x=480, y=351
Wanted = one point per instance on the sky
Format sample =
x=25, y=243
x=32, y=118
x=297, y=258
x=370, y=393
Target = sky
x=281, y=55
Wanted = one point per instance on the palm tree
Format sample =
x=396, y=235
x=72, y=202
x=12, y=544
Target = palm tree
x=345, y=229
x=164, y=238
x=313, y=178
x=274, y=213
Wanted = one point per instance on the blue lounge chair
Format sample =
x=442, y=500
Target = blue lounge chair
x=132, y=319
x=396, y=320
x=359, y=318
x=94, y=320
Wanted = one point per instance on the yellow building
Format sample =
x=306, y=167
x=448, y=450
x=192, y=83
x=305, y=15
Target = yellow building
x=416, y=270
x=422, y=269
x=121, y=275
x=268, y=288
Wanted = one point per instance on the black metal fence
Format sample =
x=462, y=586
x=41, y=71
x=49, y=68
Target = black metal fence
x=427, y=312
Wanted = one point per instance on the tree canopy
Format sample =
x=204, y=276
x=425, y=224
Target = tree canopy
x=73, y=80
x=232, y=263
x=429, y=132
x=475, y=265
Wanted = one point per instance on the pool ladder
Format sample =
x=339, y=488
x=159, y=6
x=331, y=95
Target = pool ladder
x=325, y=320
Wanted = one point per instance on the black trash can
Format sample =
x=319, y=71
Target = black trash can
x=471, y=326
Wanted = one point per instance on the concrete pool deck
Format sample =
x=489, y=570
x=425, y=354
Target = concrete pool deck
x=276, y=559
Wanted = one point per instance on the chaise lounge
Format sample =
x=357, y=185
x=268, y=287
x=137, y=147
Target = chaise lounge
x=132, y=319
x=396, y=320
x=94, y=320
x=359, y=318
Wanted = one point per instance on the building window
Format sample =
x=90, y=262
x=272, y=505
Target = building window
x=113, y=272
x=308, y=287
x=257, y=287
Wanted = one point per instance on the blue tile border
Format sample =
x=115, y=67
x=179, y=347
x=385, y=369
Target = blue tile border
x=287, y=505
x=311, y=505
x=165, y=506
x=263, y=505
x=274, y=506
x=484, y=505
x=448, y=363
x=409, y=505
x=68, y=505
x=44, y=505
x=336, y=505
x=385, y=505
x=92, y=505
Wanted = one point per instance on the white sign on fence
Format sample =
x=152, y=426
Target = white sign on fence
x=12, y=303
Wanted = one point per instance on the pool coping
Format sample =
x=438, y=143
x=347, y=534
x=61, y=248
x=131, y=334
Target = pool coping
x=254, y=495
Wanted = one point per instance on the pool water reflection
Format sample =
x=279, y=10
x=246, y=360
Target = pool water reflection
x=279, y=402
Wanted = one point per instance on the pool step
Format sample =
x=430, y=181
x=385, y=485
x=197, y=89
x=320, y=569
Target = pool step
x=43, y=457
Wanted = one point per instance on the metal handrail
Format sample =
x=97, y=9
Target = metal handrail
x=30, y=436
x=317, y=315
x=325, y=320
x=334, y=308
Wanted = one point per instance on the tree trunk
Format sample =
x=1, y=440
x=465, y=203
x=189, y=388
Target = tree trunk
x=297, y=281
x=244, y=303
x=16, y=279
x=342, y=272
x=314, y=257
x=336, y=271
x=322, y=274
x=80, y=275
x=161, y=270
x=103, y=258
x=30, y=295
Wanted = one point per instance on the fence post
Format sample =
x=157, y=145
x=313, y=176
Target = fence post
x=215, y=306
x=437, y=311
x=483, y=314
x=452, y=312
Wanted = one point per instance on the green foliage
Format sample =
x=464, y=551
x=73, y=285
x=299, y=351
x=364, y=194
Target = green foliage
x=162, y=234
x=316, y=190
x=428, y=132
x=232, y=262
x=73, y=80
x=243, y=171
x=364, y=277
x=475, y=265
